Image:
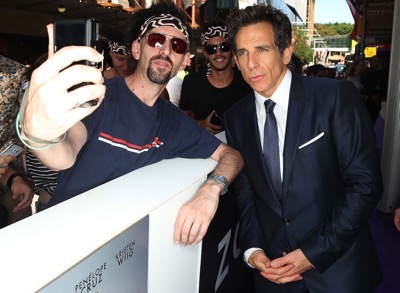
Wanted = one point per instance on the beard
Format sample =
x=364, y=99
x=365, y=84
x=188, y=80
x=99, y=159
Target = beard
x=159, y=75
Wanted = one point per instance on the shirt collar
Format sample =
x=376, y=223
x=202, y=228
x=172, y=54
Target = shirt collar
x=281, y=95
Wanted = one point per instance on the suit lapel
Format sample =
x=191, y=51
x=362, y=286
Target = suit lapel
x=253, y=133
x=294, y=124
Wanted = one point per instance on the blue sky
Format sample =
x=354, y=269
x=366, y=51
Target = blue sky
x=332, y=11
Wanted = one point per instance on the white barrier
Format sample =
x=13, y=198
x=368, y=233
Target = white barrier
x=65, y=248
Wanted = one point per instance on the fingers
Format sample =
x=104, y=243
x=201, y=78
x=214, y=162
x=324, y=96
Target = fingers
x=5, y=160
x=281, y=280
x=50, y=30
x=195, y=216
x=188, y=230
x=76, y=75
x=64, y=58
x=23, y=203
x=210, y=116
x=24, y=199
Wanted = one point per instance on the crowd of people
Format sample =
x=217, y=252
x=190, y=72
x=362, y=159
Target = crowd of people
x=301, y=156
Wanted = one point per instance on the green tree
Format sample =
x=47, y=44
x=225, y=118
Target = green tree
x=334, y=29
x=301, y=49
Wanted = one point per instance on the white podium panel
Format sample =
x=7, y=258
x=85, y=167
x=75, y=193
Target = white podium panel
x=47, y=247
x=110, y=267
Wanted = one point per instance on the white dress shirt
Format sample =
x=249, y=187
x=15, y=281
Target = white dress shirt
x=281, y=99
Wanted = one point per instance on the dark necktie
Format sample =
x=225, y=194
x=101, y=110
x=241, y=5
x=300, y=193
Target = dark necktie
x=271, y=148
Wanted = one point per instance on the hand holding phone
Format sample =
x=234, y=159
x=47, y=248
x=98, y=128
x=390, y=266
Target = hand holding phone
x=216, y=119
x=11, y=150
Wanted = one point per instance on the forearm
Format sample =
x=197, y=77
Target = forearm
x=63, y=155
x=230, y=162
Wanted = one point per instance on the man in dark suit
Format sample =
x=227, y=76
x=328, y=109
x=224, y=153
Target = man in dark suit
x=309, y=232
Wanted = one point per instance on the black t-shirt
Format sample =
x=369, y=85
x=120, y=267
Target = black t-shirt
x=200, y=96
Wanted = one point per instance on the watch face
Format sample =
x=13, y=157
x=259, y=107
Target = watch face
x=220, y=180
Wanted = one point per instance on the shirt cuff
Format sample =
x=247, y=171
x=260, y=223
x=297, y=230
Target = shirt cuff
x=247, y=254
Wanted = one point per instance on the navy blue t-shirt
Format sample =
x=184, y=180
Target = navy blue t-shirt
x=124, y=134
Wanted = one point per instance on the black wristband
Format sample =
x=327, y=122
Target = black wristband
x=11, y=178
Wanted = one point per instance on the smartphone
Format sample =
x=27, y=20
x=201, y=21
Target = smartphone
x=216, y=119
x=79, y=32
x=11, y=150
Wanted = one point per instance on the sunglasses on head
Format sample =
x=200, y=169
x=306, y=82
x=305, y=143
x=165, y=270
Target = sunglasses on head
x=223, y=47
x=157, y=40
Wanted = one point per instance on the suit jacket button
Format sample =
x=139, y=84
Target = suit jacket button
x=287, y=222
x=288, y=249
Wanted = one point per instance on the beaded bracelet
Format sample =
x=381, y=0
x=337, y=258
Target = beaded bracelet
x=47, y=144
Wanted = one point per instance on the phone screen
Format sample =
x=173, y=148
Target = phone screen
x=73, y=33
x=78, y=32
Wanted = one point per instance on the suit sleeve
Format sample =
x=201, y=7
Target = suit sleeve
x=359, y=165
x=250, y=234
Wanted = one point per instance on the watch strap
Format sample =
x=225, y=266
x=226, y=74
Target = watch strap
x=11, y=178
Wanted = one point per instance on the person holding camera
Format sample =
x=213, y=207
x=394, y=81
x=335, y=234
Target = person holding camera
x=206, y=94
x=129, y=127
x=16, y=189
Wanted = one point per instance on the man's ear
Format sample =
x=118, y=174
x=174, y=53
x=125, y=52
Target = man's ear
x=287, y=55
x=236, y=61
x=135, y=50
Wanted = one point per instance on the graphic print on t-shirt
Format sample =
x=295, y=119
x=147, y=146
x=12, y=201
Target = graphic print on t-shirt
x=130, y=147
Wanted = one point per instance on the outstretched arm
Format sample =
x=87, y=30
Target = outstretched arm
x=195, y=216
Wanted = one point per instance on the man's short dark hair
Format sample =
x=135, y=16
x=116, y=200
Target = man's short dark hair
x=281, y=25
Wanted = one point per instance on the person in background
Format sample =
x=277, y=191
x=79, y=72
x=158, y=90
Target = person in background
x=354, y=74
x=316, y=70
x=207, y=95
x=126, y=126
x=312, y=174
x=16, y=189
x=375, y=82
x=123, y=64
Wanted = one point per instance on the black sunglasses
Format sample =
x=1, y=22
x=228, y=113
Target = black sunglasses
x=157, y=40
x=212, y=49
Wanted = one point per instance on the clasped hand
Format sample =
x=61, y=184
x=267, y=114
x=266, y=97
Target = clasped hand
x=51, y=109
x=285, y=269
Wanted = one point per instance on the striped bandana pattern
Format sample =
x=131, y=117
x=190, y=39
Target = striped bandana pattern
x=116, y=48
x=213, y=31
x=164, y=20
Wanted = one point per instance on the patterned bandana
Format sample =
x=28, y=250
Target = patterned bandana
x=115, y=48
x=164, y=20
x=213, y=31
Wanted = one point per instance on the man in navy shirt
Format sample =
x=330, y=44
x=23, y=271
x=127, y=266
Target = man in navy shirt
x=129, y=127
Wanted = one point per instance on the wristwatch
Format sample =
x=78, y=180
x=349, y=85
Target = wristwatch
x=219, y=179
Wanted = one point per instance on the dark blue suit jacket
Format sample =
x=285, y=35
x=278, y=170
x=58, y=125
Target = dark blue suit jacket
x=330, y=186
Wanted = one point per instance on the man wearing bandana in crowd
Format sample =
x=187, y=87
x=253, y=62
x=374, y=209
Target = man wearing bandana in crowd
x=208, y=93
x=129, y=127
x=123, y=63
